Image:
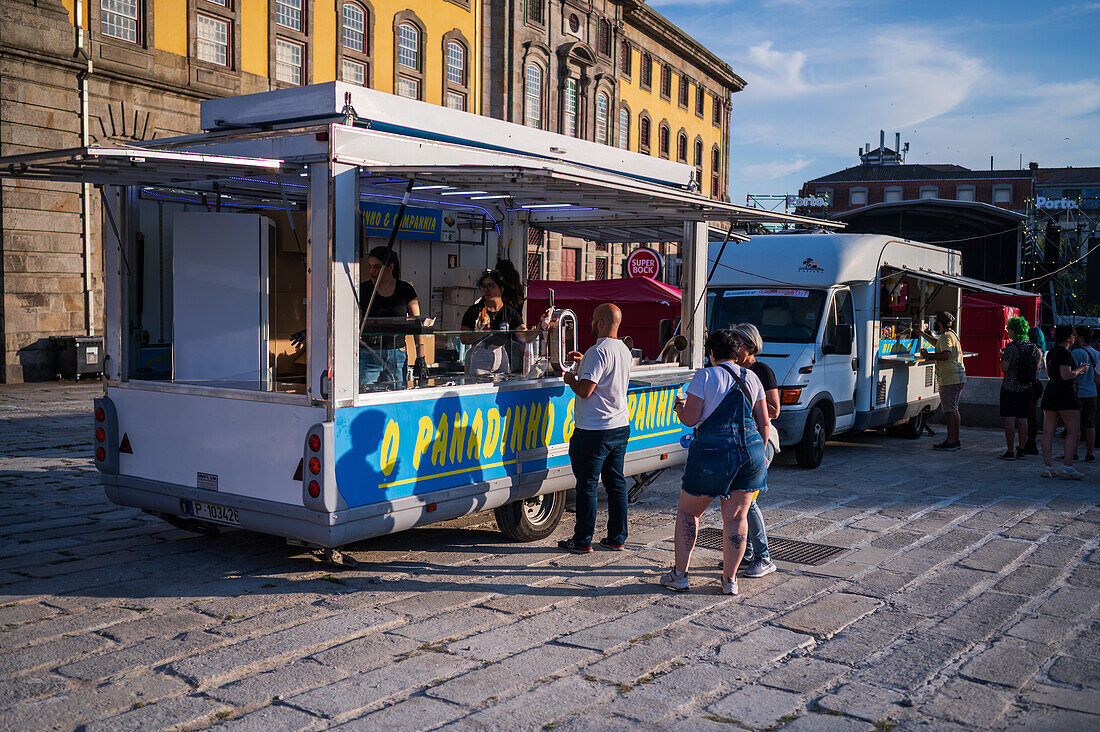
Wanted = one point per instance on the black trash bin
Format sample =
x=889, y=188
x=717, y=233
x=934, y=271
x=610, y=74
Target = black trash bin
x=78, y=356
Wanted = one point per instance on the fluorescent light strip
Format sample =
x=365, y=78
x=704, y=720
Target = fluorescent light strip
x=490, y=198
x=461, y=193
x=430, y=188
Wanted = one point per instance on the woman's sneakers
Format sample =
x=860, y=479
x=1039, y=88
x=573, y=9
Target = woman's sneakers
x=1048, y=472
x=676, y=581
x=729, y=586
x=760, y=568
x=946, y=446
x=1071, y=473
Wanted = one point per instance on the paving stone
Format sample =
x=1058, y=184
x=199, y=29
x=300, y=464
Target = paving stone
x=970, y=704
x=1071, y=603
x=939, y=590
x=805, y=527
x=608, y=635
x=1046, y=718
x=789, y=593
x=353, y=696
x=1057, y=551
x=145, y=654
x=912, y=663
x=1031, y=580
x=164, y=625
x=412, y=715
x=873, y=633
x=994, y=555
x=275, y=717
x=1078, y=672
x=981, y=616
x=875, y=523
x=803, y=675
x=881, y=583
x=1040, y=628
x=452, y=625
x=255, y=653
x=178, y=712
x=1080, y=701
x=917, y=561
x=669, y=694
x=763, y=646
x=827, y=615
x=499, y=678
x=365, y=654
x=870, y=556
x=1008, y=662
x=276, y=684
x=955, y=540
x=24, y=612
x=436, y=602
x=82, y=705
x=34, y=686
x=756, y=706
x=50, y=654
x=1085, y=576
x=863, y=701
x=654, y=655
x=733, y=618
x=65, y=624
x=541, y=707
x=812, y=722
x=493, y=645
x=539, y=599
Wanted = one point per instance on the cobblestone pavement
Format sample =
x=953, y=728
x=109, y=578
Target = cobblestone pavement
x=969, y=601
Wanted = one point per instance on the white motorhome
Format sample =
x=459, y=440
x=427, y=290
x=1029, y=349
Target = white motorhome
x=836, y=312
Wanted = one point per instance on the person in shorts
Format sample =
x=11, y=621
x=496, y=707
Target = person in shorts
x=727, y=406
x=951, y=375
x=1084, y=354
x=1020, y=365
x=1060, y=401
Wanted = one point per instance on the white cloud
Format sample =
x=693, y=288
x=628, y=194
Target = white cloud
x=773, y=73
x=774, y=169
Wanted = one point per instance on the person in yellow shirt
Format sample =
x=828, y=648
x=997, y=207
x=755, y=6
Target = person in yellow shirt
x=951, y=375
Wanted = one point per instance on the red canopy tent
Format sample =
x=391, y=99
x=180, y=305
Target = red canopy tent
x=644, y=302
x=982, y=326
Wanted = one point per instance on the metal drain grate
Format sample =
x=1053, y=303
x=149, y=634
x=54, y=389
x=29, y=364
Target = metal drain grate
x=784, y=550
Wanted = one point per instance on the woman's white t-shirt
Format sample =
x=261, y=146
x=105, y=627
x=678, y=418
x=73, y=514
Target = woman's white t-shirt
x=713, y=383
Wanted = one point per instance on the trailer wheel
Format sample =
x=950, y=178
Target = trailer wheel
x=811, y=448
x=532, y=518
x=913, y=427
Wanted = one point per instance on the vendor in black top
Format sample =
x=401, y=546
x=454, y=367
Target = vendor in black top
x=486, y=319
x=382, y=358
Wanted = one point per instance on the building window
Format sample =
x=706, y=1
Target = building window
x=698, y=159
x=666, y=81
x=354, y=32
x=1002, y=194
x=569, y=107
x=534, y=265
x=893, y=194
x=212, y=40
x=570, y=264
x=716, y=112
x=626, y=57
x=964, y=193
x=647, y=71
x=408, y=58
x=408, y=46
x=700, y=100
x=532, y=96
x=455, y=74
x=601, y=267
x=288, y=13
x=624, y=128
x=288, y=61
x=353, y=72
x=534, y=11
x=408, y=88
x=685, y=91
x=119, y=19
x=662, y=140
x=643, y=133
x=682, y=147
x=929, y=192
x=603, y=42
x=857, y=197
x=715, y=172
x=601, y=118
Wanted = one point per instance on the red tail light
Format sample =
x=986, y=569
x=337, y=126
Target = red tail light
x=100, y=434
x=314, y=489
x=315, y=442
x=100, y=454
x=100, y=415
x=314, y=465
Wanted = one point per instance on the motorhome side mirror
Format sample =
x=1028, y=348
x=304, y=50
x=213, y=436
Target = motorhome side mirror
x=841, y=342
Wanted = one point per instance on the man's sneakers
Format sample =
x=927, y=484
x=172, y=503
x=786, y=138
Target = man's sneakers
x=612, y=545
x=675, y=581
x=1071, y=473
x=573, y=548
x=946, y=446
x=760, y=568
x=1048, y=472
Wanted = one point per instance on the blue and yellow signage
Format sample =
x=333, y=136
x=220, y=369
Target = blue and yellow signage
x=394, y=450
x=424, y=224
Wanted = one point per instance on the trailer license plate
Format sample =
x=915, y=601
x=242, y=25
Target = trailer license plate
x=211, y=512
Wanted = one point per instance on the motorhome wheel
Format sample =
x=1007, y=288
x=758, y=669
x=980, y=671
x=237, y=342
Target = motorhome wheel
x=532, y=518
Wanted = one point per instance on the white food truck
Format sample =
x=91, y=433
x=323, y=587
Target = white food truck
x=235, y=331
x=836, y=313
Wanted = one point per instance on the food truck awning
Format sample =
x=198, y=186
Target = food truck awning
x=966, y=284
x=572, y=200
x=132, y=166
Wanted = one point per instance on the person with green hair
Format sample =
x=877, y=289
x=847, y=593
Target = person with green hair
x=1020, y=366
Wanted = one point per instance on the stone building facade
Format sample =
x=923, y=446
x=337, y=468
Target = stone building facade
x=124, y=71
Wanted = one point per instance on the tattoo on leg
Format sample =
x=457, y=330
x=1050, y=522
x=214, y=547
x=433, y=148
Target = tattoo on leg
x=737, y=539
x=688, y=526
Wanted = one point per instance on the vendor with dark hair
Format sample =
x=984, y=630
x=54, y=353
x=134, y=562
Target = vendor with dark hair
x=488, y=355
x=382, y=358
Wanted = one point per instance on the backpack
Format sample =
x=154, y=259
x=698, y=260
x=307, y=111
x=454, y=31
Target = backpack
x=1026, y=367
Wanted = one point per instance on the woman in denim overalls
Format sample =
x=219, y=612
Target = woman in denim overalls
x=725, y=460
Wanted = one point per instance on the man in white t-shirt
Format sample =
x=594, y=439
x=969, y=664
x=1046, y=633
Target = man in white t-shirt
x=598, y=445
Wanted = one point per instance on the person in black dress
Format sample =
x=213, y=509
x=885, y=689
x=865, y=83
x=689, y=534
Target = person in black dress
x=1060, y=400
x=383, y=360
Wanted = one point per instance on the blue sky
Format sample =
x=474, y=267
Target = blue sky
x=959, y=80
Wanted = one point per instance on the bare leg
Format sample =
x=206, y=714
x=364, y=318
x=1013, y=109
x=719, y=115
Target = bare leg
x=1010, y=438
x=1072, y=418
x=1021, y=431
x=735, y=529
x=688, y=512
x=1050, y=423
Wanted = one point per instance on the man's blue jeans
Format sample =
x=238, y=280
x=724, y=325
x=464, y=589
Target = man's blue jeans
x=597, y=454
x=758, y=535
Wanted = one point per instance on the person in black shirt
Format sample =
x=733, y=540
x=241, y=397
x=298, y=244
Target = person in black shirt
x=749, y=344
x=488, y=355
x=1060, y=400
x=382, y=358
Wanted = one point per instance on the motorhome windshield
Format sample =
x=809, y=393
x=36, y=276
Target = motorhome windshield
x=782, y=315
